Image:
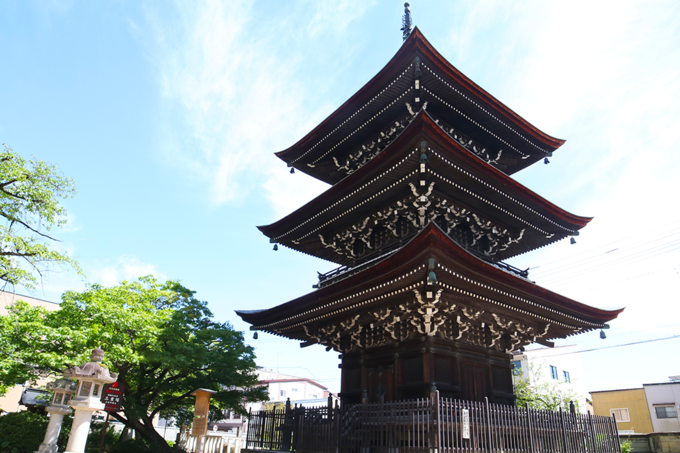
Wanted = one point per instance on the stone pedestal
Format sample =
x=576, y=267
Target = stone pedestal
x=57, y=413
x=80, y=429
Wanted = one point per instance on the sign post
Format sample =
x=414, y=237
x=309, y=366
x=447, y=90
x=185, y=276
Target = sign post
x=112, y=397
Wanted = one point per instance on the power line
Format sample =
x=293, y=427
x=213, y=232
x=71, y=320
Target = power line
x=612, y=244
x=613, y=346
x=627, y=261
x=621, y=253
x=617, y=255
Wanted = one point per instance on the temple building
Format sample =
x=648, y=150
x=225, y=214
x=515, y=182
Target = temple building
x=421, y=214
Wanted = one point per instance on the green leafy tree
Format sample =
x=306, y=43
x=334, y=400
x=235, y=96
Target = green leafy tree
x=539, y=393
x=160, y=339
x=30, y=192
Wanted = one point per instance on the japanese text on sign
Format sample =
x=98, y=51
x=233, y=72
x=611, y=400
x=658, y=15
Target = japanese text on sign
x=466, y=423
x=112, y=397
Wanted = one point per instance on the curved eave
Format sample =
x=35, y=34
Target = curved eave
x=421, y=127
x=408, y=268
x=466, y=262
x=415, y=44
x=465, y=158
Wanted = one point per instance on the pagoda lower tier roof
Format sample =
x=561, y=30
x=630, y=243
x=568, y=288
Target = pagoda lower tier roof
x=432, y=286
x=454, y=187
x=418, y=74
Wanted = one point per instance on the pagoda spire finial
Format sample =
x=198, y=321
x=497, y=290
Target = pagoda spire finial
x=406, y=22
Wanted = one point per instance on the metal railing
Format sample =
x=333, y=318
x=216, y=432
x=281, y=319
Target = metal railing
x=430, y=425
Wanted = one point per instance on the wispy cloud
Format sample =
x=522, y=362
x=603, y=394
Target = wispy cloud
x=234, y=78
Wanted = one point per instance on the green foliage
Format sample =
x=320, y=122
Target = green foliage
x=626, y=446
x=544, y=394
x=157, y=336
x=30, y=192
x=23, y=431
x=6, y=446
x=94, y=439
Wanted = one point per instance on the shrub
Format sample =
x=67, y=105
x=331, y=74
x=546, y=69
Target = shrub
x=94, y=439
x=22, y=432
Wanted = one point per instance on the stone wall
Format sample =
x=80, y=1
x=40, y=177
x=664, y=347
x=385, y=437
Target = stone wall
x=653, y=442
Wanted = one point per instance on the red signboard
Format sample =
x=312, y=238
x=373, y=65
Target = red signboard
x=112, y=397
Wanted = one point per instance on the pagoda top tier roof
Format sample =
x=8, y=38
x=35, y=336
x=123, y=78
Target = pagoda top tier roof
x=458, y=181
x=418, y=74
x=460, y=276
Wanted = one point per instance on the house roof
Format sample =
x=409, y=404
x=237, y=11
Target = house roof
x=271, y=381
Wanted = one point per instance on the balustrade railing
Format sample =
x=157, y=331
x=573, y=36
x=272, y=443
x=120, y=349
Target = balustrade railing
x=430, y=425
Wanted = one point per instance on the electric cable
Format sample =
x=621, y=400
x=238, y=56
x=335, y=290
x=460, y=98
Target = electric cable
x=612, y=346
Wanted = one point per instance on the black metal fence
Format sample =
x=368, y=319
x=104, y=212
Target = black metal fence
x=430, y=425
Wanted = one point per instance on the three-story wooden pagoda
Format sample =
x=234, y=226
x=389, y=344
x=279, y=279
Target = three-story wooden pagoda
x=421, y=213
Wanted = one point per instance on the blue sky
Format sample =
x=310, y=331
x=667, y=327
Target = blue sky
x=167, y=115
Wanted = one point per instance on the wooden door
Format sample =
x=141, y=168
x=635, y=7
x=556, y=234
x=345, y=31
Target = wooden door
x=474, y=381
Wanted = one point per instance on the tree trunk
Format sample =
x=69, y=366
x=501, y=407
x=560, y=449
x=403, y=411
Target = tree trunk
x=149, y=433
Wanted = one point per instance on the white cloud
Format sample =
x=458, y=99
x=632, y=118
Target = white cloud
x=241, y=87
x=125, y=267
x=605, y=78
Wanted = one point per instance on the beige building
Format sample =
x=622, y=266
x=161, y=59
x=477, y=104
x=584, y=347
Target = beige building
x=629, y=406
x=10, y=402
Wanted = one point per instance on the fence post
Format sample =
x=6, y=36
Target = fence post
x=564, y=431
x=531, y=434
x=617, y=439
x=488, y=422
x=286, y=427
x=337, y=417
x=250, y=422
x=263, y=427
x=591, y=428
x=435, y=434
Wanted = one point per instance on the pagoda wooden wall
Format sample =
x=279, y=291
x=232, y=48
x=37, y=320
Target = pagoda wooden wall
x=406, y=370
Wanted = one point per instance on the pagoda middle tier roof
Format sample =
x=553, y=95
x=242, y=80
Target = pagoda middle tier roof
x=415, y=75
x=452, y=174
x=460, y=277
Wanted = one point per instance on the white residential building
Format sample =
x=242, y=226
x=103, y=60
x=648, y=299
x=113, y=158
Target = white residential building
x=301, y=391
x=559, y=365
x=663, y=401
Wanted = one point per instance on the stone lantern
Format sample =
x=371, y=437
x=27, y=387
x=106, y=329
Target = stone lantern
x=91, y=378
x=63, y=388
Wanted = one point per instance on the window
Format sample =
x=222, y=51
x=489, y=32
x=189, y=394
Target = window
x=283, y=393
x=621, y=415
x=314, y=397
x=553, y=372
x=567, y=378
x=517, y=368
x=665, y=412
x=85, y=389
x=295, y=390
